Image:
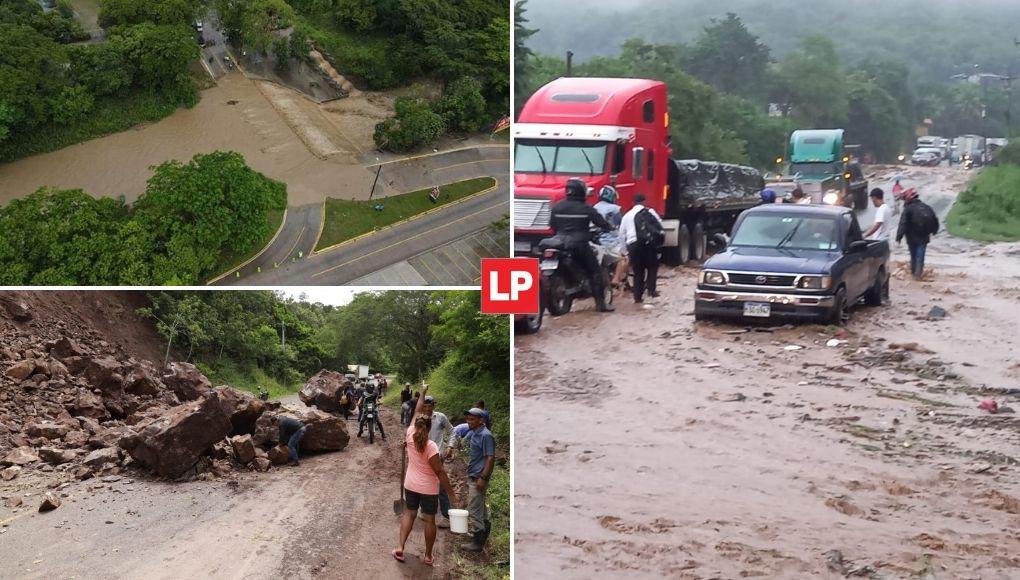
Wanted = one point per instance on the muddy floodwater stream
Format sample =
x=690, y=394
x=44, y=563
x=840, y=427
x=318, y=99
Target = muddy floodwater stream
x=237, y=115
x=653, y=446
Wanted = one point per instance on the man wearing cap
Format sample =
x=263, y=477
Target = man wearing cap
x=441, y=429
x=481, y=459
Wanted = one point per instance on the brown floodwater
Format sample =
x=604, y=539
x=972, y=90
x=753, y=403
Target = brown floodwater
x=653, y=446
x=235, y=115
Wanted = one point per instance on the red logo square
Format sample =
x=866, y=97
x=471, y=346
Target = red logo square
x=510, y=285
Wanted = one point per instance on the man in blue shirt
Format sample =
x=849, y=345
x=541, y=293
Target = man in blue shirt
x=481, y=460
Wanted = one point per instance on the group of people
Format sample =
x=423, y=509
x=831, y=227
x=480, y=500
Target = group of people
x=918, y=221
x=360, y=394
x=431, y=440
x=633, y=238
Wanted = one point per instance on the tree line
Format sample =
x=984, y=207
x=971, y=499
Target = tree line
x=406, y=333
x=174, y=234
x=723, y=85
x=50, y=82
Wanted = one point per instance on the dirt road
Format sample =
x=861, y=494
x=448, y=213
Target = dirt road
x=656, y=447
x=329, y=518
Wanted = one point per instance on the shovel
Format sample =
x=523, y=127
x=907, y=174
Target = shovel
x=398, y=504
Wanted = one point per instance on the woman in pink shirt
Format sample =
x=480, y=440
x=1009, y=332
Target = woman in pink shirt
x=421, y=482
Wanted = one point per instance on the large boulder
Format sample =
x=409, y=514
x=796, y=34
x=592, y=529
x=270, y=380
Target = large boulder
x=102, y=457
x=186, y=381
x=47, y=429
x=88, y=404
x=243, y=409
x=104, y=374
x=279, y=455
x=20, y=371
x=17, y=309
x=325, y=432
x=173, y=443
x=65, y=347
x=244, y=450
x=56, y=456
x=142, y=380
x=323, y=391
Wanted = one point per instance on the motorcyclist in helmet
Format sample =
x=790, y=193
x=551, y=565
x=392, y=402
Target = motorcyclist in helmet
x=571, y=219
x=610, y=210
x=370, y=396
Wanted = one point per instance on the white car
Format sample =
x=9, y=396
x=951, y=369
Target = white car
x=926, y=156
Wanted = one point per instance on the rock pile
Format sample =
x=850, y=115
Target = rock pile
x=71, y=404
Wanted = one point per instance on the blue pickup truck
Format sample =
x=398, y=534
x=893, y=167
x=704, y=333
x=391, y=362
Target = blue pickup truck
x=806, y=262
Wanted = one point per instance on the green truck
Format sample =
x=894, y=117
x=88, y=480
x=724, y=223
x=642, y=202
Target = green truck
x=822, y=166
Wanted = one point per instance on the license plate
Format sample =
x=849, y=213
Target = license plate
x=550, y=264
x=522, y=247
x=758, y=309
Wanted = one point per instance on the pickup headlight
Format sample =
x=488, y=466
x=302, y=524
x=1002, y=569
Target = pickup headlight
x=831, y=197
x=712, y=277
x=815, y=282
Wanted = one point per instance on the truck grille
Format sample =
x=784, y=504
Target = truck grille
x=762, y=279
x=531, y=213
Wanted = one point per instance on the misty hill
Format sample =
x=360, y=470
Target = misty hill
x=936, y=39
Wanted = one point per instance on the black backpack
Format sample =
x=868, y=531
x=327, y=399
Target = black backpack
x=925, y=219
x=649, y=230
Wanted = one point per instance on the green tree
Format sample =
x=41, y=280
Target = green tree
x=810, y=85
x=101, y=68
x=253, y=23
x=169, y=12
x=71, y=105
x=874, y=120
x=729, y=58
x=522, y=53
x=199, y=209
x=357, y=14
x=159, y=56
x=31, y=73
x=415, y=125
x=462, y=105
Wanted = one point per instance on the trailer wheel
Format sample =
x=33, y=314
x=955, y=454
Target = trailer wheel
x=699, y=242
x=679, y=254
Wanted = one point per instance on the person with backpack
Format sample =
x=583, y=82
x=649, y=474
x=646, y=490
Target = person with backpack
x=641, y=232
x=571, y=219
x=918, y=223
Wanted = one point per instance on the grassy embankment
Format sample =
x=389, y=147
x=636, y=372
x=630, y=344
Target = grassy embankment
x=346, y=219
x=453, y=395
x=247, y=379
x=989, y=209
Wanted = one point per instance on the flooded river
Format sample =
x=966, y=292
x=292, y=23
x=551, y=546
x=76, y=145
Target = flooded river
x=235, y=115
x=653, y=446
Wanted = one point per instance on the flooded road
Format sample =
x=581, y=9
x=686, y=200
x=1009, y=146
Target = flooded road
x=236, y=115
x=652, y=446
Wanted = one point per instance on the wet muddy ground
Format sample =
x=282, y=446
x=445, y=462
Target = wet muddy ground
x=652, y=446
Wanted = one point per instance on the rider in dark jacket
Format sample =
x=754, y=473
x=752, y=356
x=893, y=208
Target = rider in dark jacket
x=572, y=219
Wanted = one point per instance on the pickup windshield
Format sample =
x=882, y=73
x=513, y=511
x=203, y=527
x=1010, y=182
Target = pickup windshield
x=560, y=156
x=790, y=232
x=814, y=168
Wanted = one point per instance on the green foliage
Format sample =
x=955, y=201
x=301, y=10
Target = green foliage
x=197, y=210
x=71, y=105
x=989, y=209
x=189, y=215
x=281, y=50
x=729, y=58
x=810, y=86
x=169, y=12
x=415, y=125
x=158, y=55
x=523, y=55
x=253, y=22
x=462, y=105
x=100, y=68
x=1010, y=154
x=58, y=25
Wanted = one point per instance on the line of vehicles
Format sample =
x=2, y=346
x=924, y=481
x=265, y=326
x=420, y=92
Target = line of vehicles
x=805, y=261
x=967, y=150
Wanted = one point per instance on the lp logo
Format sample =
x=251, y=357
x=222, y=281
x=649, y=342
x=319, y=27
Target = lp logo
x=510, y=286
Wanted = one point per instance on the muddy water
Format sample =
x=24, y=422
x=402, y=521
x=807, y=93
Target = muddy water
x=235, y=115
x=690, y=450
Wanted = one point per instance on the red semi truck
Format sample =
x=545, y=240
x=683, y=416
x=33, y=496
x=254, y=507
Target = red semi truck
x=615, y=131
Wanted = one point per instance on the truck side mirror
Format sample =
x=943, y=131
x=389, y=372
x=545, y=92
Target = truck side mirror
x=857, y=247
x=720, y=239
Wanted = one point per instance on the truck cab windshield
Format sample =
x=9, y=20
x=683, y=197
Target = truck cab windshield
x=814, y=168
x=560, y=156
x=787, y=232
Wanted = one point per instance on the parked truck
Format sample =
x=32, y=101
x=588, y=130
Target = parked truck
x=361, y=371
x=824, y=169
x=615, y=131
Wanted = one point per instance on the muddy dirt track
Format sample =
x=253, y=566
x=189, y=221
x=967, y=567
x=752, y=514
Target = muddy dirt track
x=329, y=518
x=651, y=446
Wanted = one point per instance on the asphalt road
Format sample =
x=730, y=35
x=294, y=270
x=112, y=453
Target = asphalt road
x=290, y=259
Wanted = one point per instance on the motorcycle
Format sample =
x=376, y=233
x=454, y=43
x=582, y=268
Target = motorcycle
x=263, y=394
x=563, y=278
x=370, y=417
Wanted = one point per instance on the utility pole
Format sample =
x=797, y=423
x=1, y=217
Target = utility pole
x=283, y=333
x=570, y=63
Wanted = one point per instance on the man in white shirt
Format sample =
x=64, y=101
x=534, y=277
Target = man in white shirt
x=882, y=227
x=644, y=258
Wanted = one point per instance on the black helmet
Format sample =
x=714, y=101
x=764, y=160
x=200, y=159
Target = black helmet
x=577, y=189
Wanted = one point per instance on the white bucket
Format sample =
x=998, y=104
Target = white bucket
x=459, y=521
